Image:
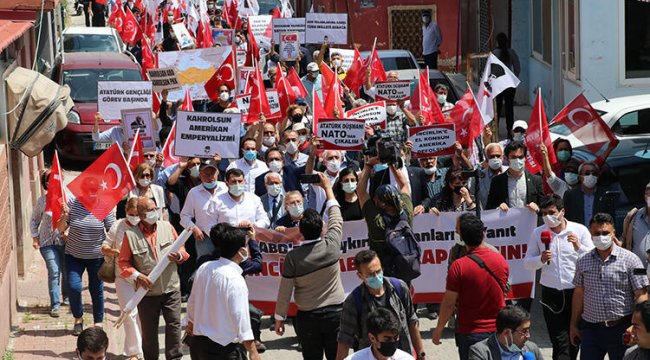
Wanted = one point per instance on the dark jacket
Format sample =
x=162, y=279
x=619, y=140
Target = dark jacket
x=417, y=178
x=488, y=349
x=574, y=204
x=290, y=180
x=499, y=190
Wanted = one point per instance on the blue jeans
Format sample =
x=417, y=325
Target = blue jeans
x=53, y=256
x=598, y=340
x=75, y=268
x=464, y=341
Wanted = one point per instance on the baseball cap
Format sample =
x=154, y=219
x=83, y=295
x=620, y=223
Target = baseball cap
x=520, y=124
x=205, y=163
x=298, y=126
x=312, y=66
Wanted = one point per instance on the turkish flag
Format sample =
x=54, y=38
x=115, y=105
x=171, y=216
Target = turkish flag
x=204, y=35
x=253, y=51
x=356, y=73
x=225, y=75
x=333, y=102
x=467, y=118
x=131, y=32
x=296, y=83
x=187, y=102
x=148, y=59
x=328, y=78
x=586, y=125
x=109, y=178
x=377, y=73
x=136, y=156
x=116, y=19
x=155, y=103
x=536, y=134
x=259, y=101
x=286, y=93
x=427, y=102
x=168, y=148
x=319, y=112
x=55, y=197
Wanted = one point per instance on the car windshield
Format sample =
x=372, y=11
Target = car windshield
x=89, y=42
x=83, y=82
x=398, y=63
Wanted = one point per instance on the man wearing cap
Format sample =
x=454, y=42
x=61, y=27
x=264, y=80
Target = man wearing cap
x=313, y=82
x=197, y=206
x=518, y=133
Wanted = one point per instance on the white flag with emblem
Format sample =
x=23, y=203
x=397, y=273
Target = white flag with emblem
x=496, y=78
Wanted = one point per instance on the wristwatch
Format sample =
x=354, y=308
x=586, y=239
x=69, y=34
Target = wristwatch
x=422, y=355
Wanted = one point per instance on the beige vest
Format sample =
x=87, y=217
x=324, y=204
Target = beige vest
x=144, y=260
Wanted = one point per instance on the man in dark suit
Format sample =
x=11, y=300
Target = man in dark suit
x=510, y=340
x=585, y=199
x=516, y=187
x=290, y=174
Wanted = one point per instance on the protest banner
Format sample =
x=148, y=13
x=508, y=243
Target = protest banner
x=223, y=37
x=289, y=46
x=260, y=25
x=241, y=57
x=163, y=79
x=320, y=28
x=282, y=25
x=139, y=119
x=193, y=68
x=347, y=54
x=115, y=96
x=200, y=134
x=393, y=90
x=432, y=140
x=374, y=114
x=243, y=102
x=183, y=36
x=508, y=231
x=341, y=134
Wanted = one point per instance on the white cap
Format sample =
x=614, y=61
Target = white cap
x=312, y=66
x=520, y=124
x=298, y=126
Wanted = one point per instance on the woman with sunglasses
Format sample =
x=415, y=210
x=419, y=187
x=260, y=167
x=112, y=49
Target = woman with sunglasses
x=144, y=186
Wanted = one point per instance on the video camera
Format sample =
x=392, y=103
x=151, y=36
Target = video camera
x=382, y=145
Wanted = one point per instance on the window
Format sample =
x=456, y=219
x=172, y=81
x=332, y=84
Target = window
x=542, y=30
x=571, y=39
x=633, y=123
x=637, y=39
x=367, y=3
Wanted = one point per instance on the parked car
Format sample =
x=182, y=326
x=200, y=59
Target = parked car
x=629, y=119
x=82, y=71
x=92, y=39
x=401, y=61
x=438, y=77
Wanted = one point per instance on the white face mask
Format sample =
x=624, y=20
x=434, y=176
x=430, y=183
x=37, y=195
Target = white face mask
x=133, y=220
x=442, y=98
x=224, y=96
x=194, y=172
x=336, y=63
x=152, y=217
x=571, y=178
x=151, y=162
x=349, y=187
x=236, y=189
x=295, y=210
x=518, y=136
x=275, y=166
x=291, y=147
x=274, y=189
x=334, y=166
x=391, y=109
x=302, y=139
x=269, y=140
x=602, y=242
x=589, y=181
x=517, y=164
x=553, y=221
x=144, y=182
x=244, y=257
x=495, y=164
x=431, y=170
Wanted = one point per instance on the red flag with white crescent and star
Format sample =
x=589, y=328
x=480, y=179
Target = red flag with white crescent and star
x=536, y=134
x=55, y=197
x=136, y=156
x=225, y=75
x=104, y=183
x=467, y=117
x=168, y=148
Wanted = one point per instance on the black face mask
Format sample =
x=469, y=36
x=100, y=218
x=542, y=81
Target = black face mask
x=296, y=118
x=457, y=189
x=388, y=348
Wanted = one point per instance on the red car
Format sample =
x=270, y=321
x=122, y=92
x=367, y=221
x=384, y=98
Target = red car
x=81, y=71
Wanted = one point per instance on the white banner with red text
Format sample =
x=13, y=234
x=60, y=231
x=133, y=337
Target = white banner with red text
x=507, y=231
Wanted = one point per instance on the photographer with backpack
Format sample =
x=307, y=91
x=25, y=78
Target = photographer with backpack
x=389, y=216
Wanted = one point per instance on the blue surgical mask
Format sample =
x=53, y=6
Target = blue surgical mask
x=571, y=178
x=517, y=164
x=564, y=155
x=211, y=185
x=250, y=155
x=295, y=210
x=513, y=348
x=349, y=187
x=380, y=167
x=518, y=136
x=194, y=171
x=237, y=189
x=376, y=282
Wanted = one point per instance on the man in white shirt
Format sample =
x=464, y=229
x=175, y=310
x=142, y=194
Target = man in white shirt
x=383, y=332
x=273, y=200
x=569, y=240
x=217, y=310
x=249, y=164
x=199, y=205
x=113, y=134
x=237, y=206
x=431, y=40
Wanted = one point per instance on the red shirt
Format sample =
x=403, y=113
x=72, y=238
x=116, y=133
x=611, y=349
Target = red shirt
x=479, y=296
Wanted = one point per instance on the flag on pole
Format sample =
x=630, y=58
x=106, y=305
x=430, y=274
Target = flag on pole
x=536, y=134
x=55, y=197
x=131, y=32
x=425, y=100
x=168, y=148
x=225, y=75
x=467, y=118
x=187, y=102
x=355, y=74
x=136, y=156
x=496, y=78
x=259, y=101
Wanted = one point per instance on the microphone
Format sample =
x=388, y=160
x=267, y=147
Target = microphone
x=545, y=237
x=528, y=355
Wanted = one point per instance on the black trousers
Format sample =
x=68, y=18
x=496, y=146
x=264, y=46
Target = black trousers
x=557, y=314
x=86, y=4
x=99, y=15
x=256, y=320
x=317, y=331
x=203, y=348
x=507, y=97
x=431, y=60
x=149, y=310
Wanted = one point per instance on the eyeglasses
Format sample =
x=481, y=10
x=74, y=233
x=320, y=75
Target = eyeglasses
x=146, y=176
x=523, y=332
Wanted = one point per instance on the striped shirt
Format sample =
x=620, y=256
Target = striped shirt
x=612, y=279
x=41, y=225
x=85, y=233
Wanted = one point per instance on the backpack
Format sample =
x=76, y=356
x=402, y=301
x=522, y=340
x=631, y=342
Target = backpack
x=404, y=252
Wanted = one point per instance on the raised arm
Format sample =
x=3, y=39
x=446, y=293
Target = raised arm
x=311, y=161
x=364, y=179
x=400, y=178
